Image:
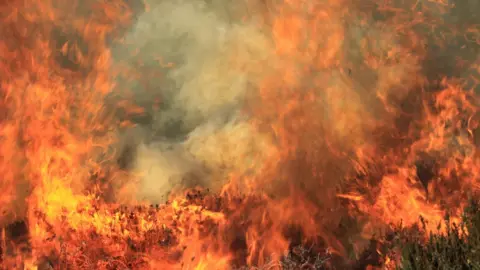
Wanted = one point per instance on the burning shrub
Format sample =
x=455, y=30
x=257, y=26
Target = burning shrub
x=457, y=248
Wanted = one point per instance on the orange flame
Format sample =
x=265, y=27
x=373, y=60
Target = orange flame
x=384, y=143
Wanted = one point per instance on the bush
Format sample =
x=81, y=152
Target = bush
x=457, y=248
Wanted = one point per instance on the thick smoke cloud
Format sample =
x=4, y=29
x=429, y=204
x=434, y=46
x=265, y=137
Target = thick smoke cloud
x=196, y=63
x=195, y=66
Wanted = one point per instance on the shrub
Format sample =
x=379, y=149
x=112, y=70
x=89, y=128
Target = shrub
x=457, y=248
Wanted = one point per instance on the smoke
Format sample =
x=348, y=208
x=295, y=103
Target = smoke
x=199, y=68
x=196, y=65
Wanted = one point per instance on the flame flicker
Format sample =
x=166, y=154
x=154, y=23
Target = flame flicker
x=208, y=134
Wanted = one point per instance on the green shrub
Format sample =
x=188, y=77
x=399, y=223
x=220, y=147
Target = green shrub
x=457, y=248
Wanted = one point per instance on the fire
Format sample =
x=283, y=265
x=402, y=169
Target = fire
x=343, y=126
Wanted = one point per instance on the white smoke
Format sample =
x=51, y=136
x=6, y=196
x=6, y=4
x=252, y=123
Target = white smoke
x=205, y=63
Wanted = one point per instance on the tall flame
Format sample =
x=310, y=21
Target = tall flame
x=314, y=123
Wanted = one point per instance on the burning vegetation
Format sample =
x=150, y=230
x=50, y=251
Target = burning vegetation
x=227, y=134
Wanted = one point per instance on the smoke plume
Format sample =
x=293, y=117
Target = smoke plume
x=199, y=71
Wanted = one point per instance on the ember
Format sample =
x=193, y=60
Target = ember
x=200, y=134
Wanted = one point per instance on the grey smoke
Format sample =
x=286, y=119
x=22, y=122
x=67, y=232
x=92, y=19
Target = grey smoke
x=200, y=60
x=215, y=60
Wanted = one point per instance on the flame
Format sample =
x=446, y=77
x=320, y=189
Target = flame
x=350, y=117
